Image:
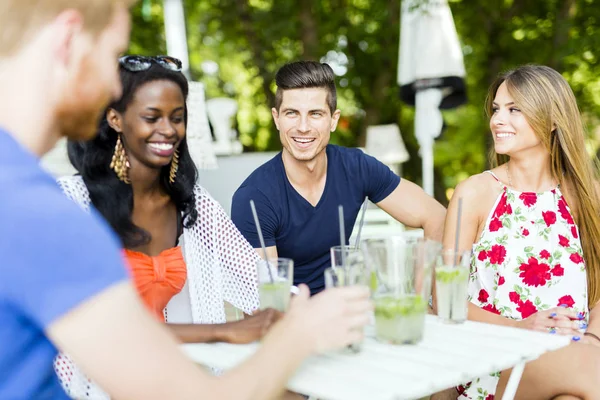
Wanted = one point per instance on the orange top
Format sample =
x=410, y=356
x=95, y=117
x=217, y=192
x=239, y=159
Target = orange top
x=157, y=279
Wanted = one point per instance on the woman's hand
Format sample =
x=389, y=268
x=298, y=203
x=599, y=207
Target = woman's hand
x=251, y=328
x=559, y=320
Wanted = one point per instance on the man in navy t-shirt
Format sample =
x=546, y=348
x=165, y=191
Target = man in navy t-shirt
x=297, y=193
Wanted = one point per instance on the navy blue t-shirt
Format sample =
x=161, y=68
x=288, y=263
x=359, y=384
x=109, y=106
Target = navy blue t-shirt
x=300, y=231
x=53, y=257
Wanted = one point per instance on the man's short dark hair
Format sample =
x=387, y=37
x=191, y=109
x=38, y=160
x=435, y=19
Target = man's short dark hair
x=306, y=74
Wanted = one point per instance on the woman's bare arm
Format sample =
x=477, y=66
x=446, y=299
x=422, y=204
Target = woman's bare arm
x=247, y=330
x=475, y=195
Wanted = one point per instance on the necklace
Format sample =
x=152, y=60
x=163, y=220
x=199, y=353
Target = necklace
x=508, y=175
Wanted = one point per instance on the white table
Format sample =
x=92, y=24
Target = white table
x=448, y=355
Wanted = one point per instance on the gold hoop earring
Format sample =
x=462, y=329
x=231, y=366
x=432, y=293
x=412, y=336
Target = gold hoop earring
x=174, y=166
x=120, y=162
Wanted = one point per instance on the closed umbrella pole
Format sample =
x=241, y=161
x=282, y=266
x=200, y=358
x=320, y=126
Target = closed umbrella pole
x=428, y=125
x=175, y=33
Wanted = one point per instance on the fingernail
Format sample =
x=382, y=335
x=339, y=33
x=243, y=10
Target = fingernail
x=562, y=305
x=576, y=338
x=580, y=315
x=552, y=332
x=553, y=315
x=582, y=325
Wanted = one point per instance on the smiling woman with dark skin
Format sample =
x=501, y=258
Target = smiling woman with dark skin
x=186, y=256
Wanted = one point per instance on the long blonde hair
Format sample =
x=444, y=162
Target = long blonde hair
x=549, y=106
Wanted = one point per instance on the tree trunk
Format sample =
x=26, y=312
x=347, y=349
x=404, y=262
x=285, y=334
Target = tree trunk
x=386, y=77
x=496, y=50
x=308, y=31
x=562, y=23
x=258, y=50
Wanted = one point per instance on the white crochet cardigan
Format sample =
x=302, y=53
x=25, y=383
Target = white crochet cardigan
x=221, y=266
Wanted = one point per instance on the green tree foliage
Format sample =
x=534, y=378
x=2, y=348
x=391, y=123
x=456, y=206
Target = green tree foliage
x=236, y=46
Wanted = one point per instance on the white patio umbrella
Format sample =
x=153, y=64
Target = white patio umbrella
x=431, y=71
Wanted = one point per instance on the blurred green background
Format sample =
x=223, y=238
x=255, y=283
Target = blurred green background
x=236, y=46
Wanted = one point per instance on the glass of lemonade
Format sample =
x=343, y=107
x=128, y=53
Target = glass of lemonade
x=275, y=277
x=403, y=270
x=353, y=273
x=451, y=285
x=337, y=251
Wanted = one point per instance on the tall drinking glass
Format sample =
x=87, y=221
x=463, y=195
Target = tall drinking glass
x=275, y=278
x=451, y=285
x=353, y=273
x=339, y=253
x=403, y=271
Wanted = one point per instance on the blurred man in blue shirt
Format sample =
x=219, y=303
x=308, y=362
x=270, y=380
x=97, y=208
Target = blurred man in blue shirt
x=62, y=280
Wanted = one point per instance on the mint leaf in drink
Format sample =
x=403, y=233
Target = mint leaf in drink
x=390, y=307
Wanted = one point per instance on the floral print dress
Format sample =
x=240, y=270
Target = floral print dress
x=528, y=259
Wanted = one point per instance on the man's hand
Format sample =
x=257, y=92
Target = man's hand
x=332, y=319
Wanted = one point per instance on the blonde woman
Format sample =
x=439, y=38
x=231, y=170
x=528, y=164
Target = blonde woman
x=533, y=222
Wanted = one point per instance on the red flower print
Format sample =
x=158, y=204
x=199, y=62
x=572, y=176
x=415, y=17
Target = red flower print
x=483, y=255
x=563, y=241
x=528, y=198
x=514, y=297
x=566, y=300
x=558, y=270
x=490, y=397
x=461, y=389
x=576, y=258
x=497, y=254
x=534, y=273
x=525, y=232
x=495, y=224
x=549, y=217
x=501, y=207
x=483, y=296
x=544, y=254
x=574, y=232
x=491, y=308
x=564, y=213
x=526, y=308
x=500, y=281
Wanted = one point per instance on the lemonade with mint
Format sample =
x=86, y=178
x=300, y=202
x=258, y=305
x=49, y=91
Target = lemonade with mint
x=451, y=285
x=274, y=295
x=400, y=319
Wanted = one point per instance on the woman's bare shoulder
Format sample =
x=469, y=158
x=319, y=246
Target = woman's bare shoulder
x=477, y=186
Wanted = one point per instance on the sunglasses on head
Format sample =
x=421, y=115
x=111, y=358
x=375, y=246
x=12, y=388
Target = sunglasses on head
x=143, y=63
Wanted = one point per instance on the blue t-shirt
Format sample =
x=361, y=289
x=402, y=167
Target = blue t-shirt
x=53, y=257
x=300, y=231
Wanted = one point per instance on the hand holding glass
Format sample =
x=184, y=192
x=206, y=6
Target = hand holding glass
x=354, y=273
